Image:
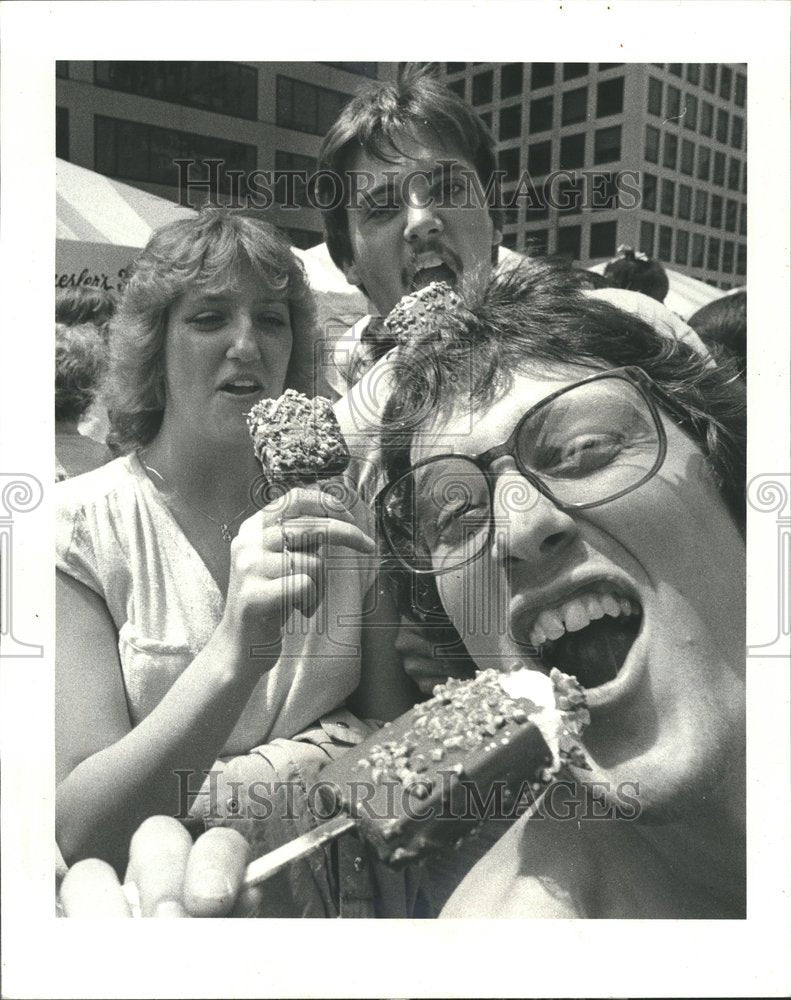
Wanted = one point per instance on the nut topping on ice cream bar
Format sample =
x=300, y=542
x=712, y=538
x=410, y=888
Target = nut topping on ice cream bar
x=409, y=785
x=465, y=714
x=415, y=316
x=297, y=440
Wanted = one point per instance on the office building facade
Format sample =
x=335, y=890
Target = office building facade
x=604, y=154
x=595, y=155
x=133, y=120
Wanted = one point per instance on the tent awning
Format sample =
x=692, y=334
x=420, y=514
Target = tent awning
x=92, y=208
x=103, y=223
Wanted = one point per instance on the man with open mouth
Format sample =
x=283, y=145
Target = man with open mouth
x=578, y=498
x=420, y=201
x=421, y=205
x=574, y=502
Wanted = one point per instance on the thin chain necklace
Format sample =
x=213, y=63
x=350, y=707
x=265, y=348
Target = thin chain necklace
x=224, y=526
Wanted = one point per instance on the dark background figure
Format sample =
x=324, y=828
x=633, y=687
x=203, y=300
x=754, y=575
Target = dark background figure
x=94, y=306
x=75, y=306
x=80, y=358
x=722, y=326
x=638, y=273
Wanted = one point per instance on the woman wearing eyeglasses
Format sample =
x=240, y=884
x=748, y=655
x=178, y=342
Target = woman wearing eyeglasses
x=580, y=503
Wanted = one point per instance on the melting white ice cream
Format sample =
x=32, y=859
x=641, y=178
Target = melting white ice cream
x=539, y=689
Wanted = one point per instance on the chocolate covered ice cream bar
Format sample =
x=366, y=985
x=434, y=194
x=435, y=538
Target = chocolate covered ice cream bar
x=297, y=440
x=416, y=316
x=476, y=750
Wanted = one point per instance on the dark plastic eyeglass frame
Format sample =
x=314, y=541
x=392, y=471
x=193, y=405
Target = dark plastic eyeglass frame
x=636, y=377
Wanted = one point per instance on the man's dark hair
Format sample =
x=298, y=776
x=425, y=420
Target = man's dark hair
x=376, y=119
x=722, y=326
x=638, y=274
x=535, y=314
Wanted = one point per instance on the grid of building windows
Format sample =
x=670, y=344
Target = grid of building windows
x=666, y=131
x=703, y=142
x=230, y=88
x=305, y=107
x=287, y=109
x=573, y=138
x=136, y=151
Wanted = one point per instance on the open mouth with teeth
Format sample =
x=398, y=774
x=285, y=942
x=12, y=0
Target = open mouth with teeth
x=588, y=636
x=241, y=387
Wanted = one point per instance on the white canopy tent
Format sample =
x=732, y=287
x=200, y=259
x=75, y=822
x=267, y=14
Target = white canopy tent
x=101, y=225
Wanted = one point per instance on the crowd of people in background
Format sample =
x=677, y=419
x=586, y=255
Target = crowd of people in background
x=171, y=577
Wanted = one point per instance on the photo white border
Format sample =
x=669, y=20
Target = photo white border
x=43, y=957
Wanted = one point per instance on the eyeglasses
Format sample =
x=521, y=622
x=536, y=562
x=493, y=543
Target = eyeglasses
x=582, y=446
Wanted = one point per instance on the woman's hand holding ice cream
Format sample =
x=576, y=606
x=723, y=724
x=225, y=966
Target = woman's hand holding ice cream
x=279, y=557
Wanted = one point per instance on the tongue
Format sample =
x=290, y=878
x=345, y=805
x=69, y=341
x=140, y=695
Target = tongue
x=596, y=653
x=426, y=275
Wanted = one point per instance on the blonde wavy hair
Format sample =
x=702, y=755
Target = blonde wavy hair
x=206, y=252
